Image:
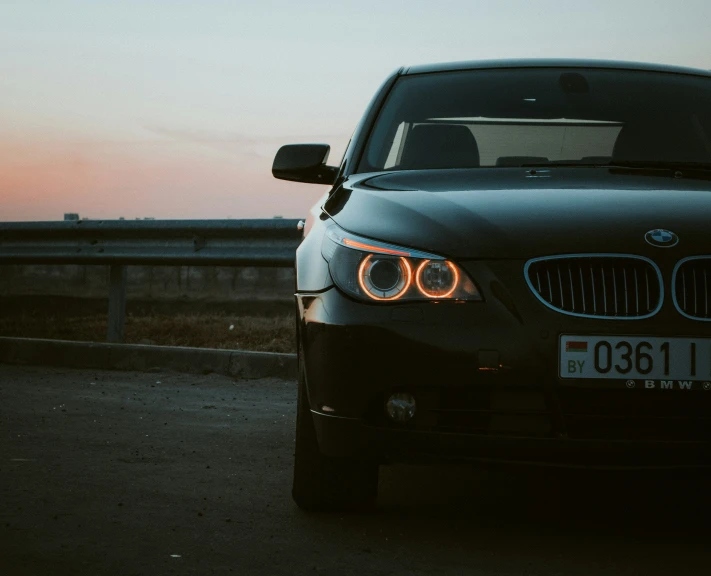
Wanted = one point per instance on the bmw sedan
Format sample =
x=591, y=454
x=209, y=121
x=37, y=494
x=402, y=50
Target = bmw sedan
x=512, y=264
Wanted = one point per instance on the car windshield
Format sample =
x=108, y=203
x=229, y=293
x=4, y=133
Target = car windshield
x=539, y=116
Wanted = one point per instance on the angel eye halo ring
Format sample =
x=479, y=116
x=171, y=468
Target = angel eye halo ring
x=384, y=278
x=437, y=278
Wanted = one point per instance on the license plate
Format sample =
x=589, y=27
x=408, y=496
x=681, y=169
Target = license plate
x=672, y=363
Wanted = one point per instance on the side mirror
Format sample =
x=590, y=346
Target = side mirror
x=304, y=163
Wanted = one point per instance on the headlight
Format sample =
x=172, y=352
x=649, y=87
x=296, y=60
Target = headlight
x=384, y=278
x=381, y=272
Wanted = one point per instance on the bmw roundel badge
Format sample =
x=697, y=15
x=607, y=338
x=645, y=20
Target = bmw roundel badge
x=661, y=238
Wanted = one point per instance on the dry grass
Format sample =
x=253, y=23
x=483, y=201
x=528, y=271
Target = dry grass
x=204, y=330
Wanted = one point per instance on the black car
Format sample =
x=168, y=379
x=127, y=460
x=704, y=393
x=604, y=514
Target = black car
x=513, y=264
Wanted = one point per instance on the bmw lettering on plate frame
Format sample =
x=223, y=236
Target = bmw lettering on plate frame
x=512, y=263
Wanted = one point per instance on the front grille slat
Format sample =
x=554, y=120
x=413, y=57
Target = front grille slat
x=683, y=289
x=646, y=280
x=582, y=288
x=691, y=287
x=603, y=286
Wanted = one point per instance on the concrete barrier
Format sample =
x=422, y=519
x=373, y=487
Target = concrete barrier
x=240, y=364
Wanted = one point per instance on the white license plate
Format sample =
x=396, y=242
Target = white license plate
x=673, y=363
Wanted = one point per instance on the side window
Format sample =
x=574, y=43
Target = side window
x=702, y=128
x=396, y=146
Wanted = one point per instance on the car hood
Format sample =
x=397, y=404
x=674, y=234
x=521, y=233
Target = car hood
x=523, y=213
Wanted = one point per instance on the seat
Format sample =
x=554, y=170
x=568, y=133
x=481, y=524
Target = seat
x=432, y=146
x=654, y=141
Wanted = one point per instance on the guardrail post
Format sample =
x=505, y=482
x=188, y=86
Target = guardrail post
x=117, y=303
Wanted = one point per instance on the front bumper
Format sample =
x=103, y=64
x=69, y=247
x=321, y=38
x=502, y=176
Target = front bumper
x=353, y=438
x=484, y=375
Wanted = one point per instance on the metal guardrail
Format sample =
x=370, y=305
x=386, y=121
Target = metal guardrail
x=121, y=243
x=167, y=242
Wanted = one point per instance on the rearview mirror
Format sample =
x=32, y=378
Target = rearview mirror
x=304, y=163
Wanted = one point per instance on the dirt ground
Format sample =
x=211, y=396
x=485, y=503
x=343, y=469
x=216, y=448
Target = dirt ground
x=260, y=326
x=131, y=473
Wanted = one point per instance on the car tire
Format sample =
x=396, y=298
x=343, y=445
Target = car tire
x=322, y=483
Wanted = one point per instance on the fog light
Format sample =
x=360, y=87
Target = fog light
x=401, y=407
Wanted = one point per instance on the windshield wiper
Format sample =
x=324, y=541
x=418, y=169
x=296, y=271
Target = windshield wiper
x=661, y=165
x=559, y=165
x=634, y=164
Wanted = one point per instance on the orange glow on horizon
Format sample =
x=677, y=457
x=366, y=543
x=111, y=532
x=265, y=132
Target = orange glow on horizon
x=42, y=180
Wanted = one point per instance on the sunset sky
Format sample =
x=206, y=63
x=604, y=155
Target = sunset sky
x=175, y=108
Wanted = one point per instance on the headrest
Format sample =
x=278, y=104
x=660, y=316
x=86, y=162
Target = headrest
x=431, y=146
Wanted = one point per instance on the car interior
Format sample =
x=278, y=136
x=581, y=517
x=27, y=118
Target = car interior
x=433, y=146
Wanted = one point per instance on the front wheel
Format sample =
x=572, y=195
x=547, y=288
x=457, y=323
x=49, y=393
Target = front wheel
x=323, y=483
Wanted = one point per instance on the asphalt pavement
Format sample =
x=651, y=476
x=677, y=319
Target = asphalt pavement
x=160, y=473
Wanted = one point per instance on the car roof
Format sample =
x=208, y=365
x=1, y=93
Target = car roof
x=551, y=63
